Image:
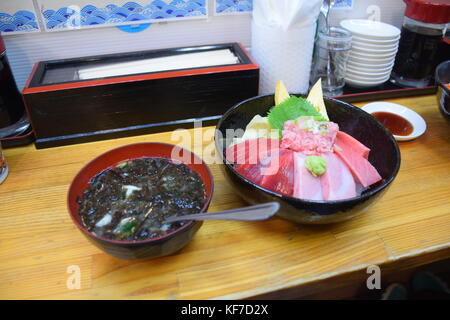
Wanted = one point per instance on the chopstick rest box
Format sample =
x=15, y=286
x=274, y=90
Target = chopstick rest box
x=102, y=97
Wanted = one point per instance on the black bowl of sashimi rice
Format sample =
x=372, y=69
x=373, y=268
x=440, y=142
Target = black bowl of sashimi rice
x=323, y=160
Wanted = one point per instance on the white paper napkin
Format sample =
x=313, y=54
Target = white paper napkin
x=283, y=41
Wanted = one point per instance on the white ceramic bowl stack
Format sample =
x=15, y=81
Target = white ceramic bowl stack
x=374, y=46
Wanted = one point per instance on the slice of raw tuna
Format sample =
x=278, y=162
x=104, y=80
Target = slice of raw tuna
x=278, y=176
x=251, y=151
x=251, y=172
x=306, y=186
x=363, y=172
x=264, y=165
x=346, y=142
x=337, y=181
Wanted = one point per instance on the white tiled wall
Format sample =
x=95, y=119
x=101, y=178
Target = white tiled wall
x=26, y=49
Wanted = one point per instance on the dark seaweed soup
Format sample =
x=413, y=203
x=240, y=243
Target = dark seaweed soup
x=130, y=202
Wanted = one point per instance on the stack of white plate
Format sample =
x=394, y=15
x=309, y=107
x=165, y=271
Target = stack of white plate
x=374, y=46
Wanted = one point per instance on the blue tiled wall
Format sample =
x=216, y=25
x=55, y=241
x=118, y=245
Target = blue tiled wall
x=65, y=15
x=21, y=21
x=233, y=6
x=130, y=12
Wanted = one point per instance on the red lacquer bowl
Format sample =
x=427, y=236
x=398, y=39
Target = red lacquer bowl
x=155, y=247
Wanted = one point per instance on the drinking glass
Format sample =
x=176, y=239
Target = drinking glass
x=3, y=166
x=331, y=51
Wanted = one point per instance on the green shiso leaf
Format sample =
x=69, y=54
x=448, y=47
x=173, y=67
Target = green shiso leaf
x=291, y=109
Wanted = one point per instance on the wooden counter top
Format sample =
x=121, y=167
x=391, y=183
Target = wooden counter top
x=408, y=227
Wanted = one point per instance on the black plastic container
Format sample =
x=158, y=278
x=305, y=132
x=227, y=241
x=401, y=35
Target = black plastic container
x=64, y=109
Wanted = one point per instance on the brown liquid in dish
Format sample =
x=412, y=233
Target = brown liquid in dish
x=395, y=124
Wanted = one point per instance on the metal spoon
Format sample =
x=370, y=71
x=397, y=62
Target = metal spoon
x=254, y=213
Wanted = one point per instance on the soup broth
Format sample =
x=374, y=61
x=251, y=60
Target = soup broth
x=131, y=201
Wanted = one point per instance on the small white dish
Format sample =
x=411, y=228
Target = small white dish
x=382, y=61
x=369, y=46
x=368, y=78
x=376, y=51
x=371, y=71
x=418, y=123
x=378, y=42
x=365, y=66
x=364, y=84
x=371, y=29
x=367, y=74
x=375, y=55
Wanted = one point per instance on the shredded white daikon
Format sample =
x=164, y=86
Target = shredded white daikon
x=130, y=190
x=104, y=221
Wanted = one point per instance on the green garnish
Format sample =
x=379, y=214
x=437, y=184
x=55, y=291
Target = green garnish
x=126, y=227
x=122, y=164
x=316, y=165
x=129, y=227
x=292, y=109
